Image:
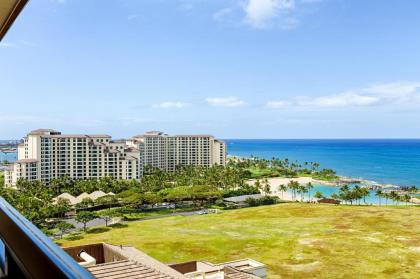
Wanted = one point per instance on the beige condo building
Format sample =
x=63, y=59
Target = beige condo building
x=46, y=154
x=166, y=152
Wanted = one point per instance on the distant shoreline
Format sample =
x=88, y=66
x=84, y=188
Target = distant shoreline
x=343, y=180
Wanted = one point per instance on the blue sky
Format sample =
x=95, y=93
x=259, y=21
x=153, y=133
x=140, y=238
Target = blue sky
x=233, y=68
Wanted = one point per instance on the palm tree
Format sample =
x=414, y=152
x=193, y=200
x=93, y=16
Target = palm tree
x=293, y=185
x=335, y=196
x=257, y=184
x=318, y=195
x=379, y=193
x=364, y=192
x=282, y=188
x=406, y=198
x=266, y=186
x=386, y=195
x=309, y=186
x=394, y=197
x=301, y=190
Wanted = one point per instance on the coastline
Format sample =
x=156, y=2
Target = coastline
x=342, y=180
x=275, y=182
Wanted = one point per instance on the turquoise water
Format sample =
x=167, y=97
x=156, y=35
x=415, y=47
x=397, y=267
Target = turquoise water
x=329, y=190
x=384, y=161
x=8, y=156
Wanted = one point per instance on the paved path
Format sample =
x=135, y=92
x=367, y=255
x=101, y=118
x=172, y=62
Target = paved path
x=101, y=222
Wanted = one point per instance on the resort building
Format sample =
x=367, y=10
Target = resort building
x=46, y=154
x=166, y=152
x=105, y=260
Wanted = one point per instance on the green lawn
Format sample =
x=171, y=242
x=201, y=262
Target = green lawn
x=294, y=240
x=257, y=173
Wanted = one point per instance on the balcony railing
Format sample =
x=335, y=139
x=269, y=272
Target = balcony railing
x=25, y=252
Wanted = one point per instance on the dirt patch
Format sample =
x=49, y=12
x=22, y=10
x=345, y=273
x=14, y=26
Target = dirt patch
x=300, y=257
x=342, y=226
x=233, y=234
x=309, y=241
x=371, y=239
x=309, y=267
x=401, y=238
x=415, y=249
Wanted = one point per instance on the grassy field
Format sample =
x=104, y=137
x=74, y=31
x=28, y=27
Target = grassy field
x=294, y=240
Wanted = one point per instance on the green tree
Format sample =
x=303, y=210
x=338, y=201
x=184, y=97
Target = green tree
x=62, y=206
x=85, y=203
x=319, y=195
x=106, y=215
x=379, y=193
x=309, y=187
x=63, y=228
x=293, y=185
x=282, y=188
x=335, y=196
x=85, y=217
x=108, y=201
x=266, y=186
x=406, y=198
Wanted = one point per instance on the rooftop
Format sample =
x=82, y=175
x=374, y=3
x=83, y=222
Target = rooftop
x=56, y=134
x=162, y=134
x=112, y=262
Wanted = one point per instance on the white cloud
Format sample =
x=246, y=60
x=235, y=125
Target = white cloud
x=345, y=99
x=222, y=14
x=168, y=105
x=403, y=94
x=225, y=102
x=18, y=44
x=131, y=17
x=277, y=104
x=394, y=88
x=260, y=12
x=7, y=45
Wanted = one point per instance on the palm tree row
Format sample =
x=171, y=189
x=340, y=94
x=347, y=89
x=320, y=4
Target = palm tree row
x=296, y=189
x=394, y=196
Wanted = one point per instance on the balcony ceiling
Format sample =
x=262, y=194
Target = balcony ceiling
x=9, y=10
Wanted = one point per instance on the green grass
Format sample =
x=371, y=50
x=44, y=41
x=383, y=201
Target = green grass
x=294, y=240
x=257, y=173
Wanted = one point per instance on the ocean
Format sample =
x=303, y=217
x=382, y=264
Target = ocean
x=384, y=161
x=11, y=157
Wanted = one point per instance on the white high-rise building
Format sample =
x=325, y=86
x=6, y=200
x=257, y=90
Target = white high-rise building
x=166, y=152
x=46, y=154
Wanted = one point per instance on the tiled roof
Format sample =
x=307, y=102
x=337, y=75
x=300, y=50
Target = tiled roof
x=126, y=269
x=38, y=131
